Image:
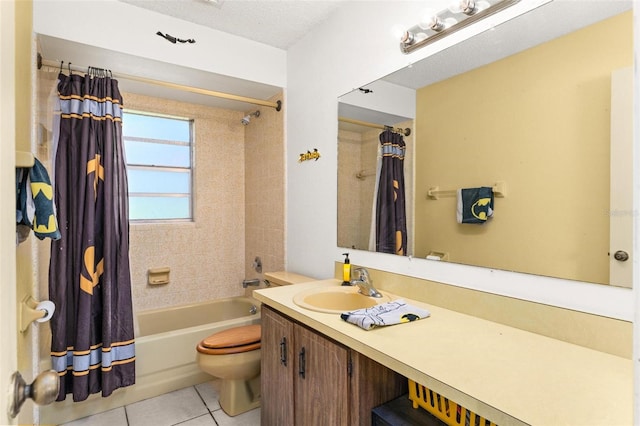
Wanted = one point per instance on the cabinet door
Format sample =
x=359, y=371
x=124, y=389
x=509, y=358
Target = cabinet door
x=372, y=384
x=277, y=370
x=321, y=386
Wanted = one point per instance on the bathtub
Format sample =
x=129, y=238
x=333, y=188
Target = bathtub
x=165, y=353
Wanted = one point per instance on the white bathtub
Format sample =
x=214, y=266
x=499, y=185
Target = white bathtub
x=165, y=353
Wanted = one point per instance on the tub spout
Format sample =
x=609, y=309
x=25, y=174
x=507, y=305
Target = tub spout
x=252, y=282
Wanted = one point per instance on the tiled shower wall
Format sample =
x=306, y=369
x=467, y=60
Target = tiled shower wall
x=237, y=215
x=206, y=256
x=265, y=191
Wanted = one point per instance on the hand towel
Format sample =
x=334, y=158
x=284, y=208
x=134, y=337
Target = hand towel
x=34, y=202
x=389, y=313
x=475, y=205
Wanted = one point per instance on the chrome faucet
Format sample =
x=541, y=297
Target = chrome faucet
x=252, y=282
x=364, y=282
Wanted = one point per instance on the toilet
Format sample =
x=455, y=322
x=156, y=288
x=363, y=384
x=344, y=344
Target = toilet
x=233, y=355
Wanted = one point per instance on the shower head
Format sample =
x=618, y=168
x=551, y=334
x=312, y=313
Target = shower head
x=247, y=118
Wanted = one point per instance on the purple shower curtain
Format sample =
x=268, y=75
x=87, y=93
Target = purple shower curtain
x=92, y=346
x=391, y=218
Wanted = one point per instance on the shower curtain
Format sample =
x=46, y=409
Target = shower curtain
x=92, y=346
x=391, y=220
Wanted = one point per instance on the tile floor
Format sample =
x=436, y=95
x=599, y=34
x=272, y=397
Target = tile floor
x=193, y=406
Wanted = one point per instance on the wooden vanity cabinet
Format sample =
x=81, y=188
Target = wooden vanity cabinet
x=276, y=364
x=309, y=379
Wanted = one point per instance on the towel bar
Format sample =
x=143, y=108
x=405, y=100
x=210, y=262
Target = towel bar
x=499, y=190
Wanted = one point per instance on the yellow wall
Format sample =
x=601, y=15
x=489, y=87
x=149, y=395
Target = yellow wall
x=538, y=120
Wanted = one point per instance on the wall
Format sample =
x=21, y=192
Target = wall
x=214, y=51
x=353, y=231
x=264, y=191
x=206, y=256
x=552, y=166
x=322, y=67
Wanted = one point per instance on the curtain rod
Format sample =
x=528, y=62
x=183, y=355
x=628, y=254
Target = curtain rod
x=405, y=132
x=277, y=105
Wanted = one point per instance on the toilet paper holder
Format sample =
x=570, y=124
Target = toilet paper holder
x=31, y=310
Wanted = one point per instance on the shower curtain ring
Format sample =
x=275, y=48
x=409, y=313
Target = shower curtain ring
x=61, y=64
x=70, y=73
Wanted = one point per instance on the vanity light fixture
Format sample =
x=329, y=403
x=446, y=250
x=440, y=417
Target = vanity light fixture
x=460, y=14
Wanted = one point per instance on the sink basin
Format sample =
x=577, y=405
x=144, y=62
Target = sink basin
x=337, y=299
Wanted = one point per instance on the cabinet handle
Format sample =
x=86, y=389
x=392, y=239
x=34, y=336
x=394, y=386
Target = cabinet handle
x=283, y=351
x=301, y=362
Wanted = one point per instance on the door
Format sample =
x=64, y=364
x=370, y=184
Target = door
x=621, y=210
x=322, y=380
x=276, y=369
x=16, y=264
x=8, y=328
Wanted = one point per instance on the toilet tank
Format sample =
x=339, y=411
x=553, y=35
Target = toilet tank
x=285, y=278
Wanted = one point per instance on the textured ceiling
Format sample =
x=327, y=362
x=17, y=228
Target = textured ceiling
x=278, y=23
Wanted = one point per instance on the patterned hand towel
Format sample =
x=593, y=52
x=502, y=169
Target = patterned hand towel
x=475, y=205
x=389, y=313
x=35, y=208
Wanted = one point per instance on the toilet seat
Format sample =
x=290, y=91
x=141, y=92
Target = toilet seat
x=232, y=341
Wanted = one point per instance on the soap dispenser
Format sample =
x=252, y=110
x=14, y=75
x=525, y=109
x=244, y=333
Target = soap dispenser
x=346, y=270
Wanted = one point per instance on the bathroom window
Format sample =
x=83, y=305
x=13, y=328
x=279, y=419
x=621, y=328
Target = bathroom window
x=159, y=166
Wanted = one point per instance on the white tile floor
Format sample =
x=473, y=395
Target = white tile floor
x=193, y=406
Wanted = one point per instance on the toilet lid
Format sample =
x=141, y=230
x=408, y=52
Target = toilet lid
x=233, y=337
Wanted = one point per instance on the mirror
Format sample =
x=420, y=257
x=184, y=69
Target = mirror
x=540, y=109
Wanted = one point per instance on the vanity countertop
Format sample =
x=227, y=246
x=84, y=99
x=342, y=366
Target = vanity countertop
x=504, y=374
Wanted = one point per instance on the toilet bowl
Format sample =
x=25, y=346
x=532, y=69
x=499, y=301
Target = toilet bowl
x=233, y=355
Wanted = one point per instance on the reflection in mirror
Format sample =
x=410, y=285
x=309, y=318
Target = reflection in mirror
x=541, y=104
x=360, y=167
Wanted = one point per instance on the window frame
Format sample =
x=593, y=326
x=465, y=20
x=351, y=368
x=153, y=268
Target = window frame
x=189, y=170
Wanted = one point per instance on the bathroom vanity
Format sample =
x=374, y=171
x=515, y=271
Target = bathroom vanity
x=309, y=378
x=502, y=373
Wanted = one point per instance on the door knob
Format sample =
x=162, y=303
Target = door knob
x=43, y=390
x=621, y=255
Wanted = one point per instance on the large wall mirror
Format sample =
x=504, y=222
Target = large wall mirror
x=540, y=108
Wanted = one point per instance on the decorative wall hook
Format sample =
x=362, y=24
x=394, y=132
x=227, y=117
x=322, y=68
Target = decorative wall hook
x=173, y=39
x=309, y=155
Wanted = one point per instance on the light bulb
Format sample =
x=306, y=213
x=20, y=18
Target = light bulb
x=429, y=18
x=397, y=31
x=468, y=7
x=407, y=38
x=431, y=22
